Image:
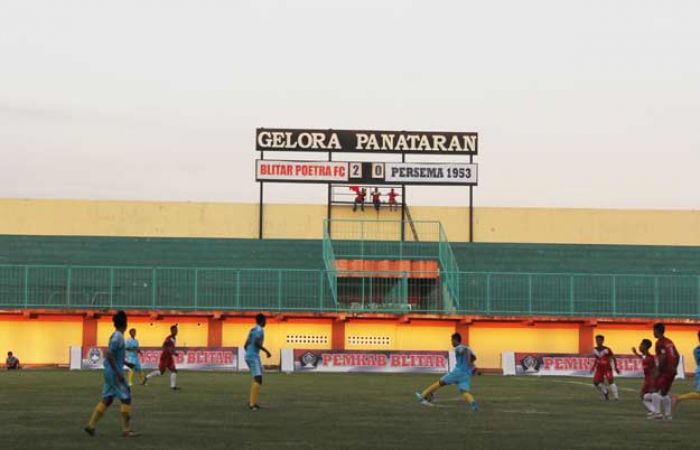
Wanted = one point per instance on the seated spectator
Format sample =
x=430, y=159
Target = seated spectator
x=375, y=199
x=360, y=200
x=392, y=199
x=12, y=363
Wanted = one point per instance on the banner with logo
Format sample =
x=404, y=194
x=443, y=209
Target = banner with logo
x=366, y=361
x=189, y=358
x=569, y=365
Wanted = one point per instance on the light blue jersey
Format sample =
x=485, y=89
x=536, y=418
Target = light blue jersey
x=132, y=351
x=463, y=355
x=252, y=351
x=696, y=354
x=118, y=350
x=256, y=335
x=461, y=375
x=113, y=388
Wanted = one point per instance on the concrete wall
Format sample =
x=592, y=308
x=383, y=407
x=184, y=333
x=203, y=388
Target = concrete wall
x=45, y=339
x=172, y=219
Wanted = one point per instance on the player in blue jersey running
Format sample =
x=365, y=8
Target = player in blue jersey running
x=252, y=347
x=695, y=394
x=461, y=375
x=132, y=357
x=114, y=384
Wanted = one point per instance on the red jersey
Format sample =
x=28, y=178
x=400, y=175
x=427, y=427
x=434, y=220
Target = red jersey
x=375, y=197
x=168, y=346
x=648, y=365
x=392, y=197
x=665, y=347
x=603, y=355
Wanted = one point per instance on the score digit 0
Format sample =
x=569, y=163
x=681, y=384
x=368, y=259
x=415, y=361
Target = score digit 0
x=378, y=170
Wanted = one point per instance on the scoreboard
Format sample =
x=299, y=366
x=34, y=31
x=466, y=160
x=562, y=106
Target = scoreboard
x=375, y=173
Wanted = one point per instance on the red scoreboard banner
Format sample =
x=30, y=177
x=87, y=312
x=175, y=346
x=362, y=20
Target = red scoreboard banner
x=370, y=361
x=301, y=171
x=189, y=358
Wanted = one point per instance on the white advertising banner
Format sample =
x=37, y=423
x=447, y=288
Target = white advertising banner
x=569, y=365
x=301, y=360
x=309, y=171
x=431, y=173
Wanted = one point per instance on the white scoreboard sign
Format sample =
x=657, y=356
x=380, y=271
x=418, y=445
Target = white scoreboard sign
x=308, y=171
x=366, y=172
x=430, y=173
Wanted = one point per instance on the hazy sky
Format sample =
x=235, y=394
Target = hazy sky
x=578, y=103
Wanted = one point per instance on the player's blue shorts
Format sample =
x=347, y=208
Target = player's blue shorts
x=111, y=388
x=254, y=365
x=136, y=363
x=462, y=379
x=697, y=380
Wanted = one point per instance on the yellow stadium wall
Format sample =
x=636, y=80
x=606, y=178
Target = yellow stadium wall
x=290, y=333
x=392, y=335
x=240, y=220
x=46, y=339
x=192, y=332
x=489, y=342
x=622, y=338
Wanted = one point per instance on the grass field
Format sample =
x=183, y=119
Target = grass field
x=45, y=409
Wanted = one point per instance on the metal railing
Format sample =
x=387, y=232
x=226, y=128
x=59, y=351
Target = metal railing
x=382, y=239
x=482, y=293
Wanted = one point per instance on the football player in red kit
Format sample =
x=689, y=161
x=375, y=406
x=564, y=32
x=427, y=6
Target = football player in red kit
x=603, y=368
x=666, y=366
x=649, y=366
x=167, y=360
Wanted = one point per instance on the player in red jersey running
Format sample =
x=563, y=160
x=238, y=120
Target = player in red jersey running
x=167, y=360
x=666, y=365
x=603, y=367
x=649, y=366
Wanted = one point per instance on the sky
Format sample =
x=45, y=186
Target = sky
x=590, y=103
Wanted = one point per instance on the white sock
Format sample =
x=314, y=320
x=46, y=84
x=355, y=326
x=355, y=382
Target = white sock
x=646, y=401
x=666, y=403
x=613, y=389
x=601, y=389
x=173, y=376
x=155, y=373
x=656, y=402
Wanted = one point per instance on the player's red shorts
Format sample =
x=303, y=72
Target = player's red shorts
x=647, y=386
x=166, y=362
x=664, y=381
x=603, y=372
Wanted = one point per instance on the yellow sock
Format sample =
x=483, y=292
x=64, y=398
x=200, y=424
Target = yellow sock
x=254, y=390
x=468, y=397
x=430, y=389
x=690, y=396
x=125, y=411
x=97, y=414
x=142, y=376
x=131, y=377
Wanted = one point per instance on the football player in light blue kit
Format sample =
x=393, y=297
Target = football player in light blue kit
x=114, y=384
x=252, y=347
x=461, y=375
x=132, y=357
x=694, y=395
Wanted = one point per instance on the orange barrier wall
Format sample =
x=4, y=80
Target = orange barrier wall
x=44, y=339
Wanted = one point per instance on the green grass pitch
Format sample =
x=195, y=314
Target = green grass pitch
x=47, y=409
